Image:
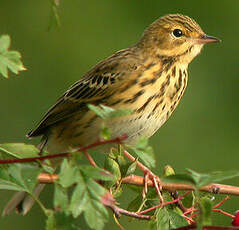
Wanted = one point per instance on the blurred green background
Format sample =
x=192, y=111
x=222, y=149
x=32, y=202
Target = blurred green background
x=203, y=132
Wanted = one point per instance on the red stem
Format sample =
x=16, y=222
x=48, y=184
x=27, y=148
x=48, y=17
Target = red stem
x=117, y=140
x=166, y=203
x=223, y=212
x=220, y=203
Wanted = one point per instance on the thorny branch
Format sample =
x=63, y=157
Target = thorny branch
x=109, y=201
x=139, y=181
x=117, y=140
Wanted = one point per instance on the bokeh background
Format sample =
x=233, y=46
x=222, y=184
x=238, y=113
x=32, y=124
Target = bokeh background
x=203, y=132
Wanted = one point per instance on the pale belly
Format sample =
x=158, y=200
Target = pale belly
x=138, y=127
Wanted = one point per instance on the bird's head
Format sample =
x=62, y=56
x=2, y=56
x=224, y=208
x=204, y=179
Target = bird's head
x=175, y=35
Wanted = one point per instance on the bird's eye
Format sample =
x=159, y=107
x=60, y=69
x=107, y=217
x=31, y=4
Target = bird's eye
x=177, y=33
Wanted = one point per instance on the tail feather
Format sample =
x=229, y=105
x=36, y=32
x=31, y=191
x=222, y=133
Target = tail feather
x=13, y=203
x=22, y=202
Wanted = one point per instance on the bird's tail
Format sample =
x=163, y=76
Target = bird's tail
x=22, y=202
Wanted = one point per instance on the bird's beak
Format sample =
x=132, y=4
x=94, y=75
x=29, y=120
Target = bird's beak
x=204, y=39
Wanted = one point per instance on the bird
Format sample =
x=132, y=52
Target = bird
x=149, y=78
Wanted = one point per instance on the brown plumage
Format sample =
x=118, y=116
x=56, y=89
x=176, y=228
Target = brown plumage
x=148, y=78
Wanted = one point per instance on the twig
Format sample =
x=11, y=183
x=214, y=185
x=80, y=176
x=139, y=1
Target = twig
x=108, y=201
x=223, y=212
x=212, y=188
x=90, y=159
x=117, y=140
x=194, y=227
x=140, y=165
x=139, y=181
x=221, y=202
x=119, y=211
x=147, y=173
x=165, y=203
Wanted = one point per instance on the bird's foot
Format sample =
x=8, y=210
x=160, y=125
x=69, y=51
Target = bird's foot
x=148, y=174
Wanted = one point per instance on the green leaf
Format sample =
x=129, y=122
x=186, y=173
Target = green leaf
x=8, y=185
x=213, y=177
x=96, y=173
x=4, y=43
x=106, y=112
x=87, y=194
x=110, y=113
x=123, y=165
x=68, y=174
x=180, y=178
x=79, y=200
x=112, y=166
x=200, y=179
x=167, y=219
x=168, y=171
x=19, y=150
x=60, y=198
x=98, y=111
x=162, y=219
x=206, y=211
x=105, y=132
x=9, y=59
x=144, y=152
x=61, y=221
x=131, y=169
x=95, y=190
x=50, y=222
x=95, y=215
x=19, y=177
x=176, y=220
x=135, y=204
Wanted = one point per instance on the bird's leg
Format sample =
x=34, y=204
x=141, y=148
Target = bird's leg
x=90, y=159
x=147, y=174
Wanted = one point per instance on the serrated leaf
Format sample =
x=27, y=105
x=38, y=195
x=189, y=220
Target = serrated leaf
x=60, y=198
x=106, y=112
x=95, y=190
x=131, y=169
x=61, y=221
x=105, y=132
x=50, y=222
x=97, y=110
x=167, y=219
x=162, y=220
x=202, y=179
x=110, y=113
x=112, y=166
x=135, y=204
x=19, y=150
x=168, y=171
x=25, y=176
x=95, y=215
x=144, y=152
x=180, y=178
x=68, y=174
x=123, y=165
x=8, y=185
x=206, y=210
x=176, y=220
x=87, y=194
x=96, y=173
x=19, y=177
x=79, y=200
x=4, y=43
x=9, y=59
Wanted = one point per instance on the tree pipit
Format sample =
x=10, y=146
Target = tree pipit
x=149, y=78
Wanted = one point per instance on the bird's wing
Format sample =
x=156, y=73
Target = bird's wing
x=93, y=88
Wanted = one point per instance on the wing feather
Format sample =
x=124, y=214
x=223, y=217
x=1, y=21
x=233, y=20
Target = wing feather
x=99, y=82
